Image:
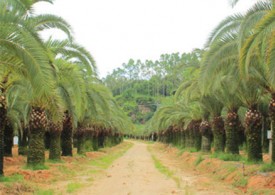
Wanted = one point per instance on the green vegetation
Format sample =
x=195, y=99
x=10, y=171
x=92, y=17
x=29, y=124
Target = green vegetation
x=242, y=182
x=12, y=178
x=140, y=87
x=105, y=161
x=50, y=93
x=37, y=167
x=164, y=170
x=268, y=167
x=227, y=156
x=72, y=187
x=44, y=192
x=199, y=160
x=225, y=98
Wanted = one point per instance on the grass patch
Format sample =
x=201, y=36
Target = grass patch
x=182, y=150
x=267, y=167
x=242, y=182
x=192, y=150
x=260, y=192
x=227, y=157
x=164, y=170
x=12, y=178
x=105, y=161
x=55, y=161
x=66, y=171
x=72, y=187
x=36, y=167
x=44, y=192
x=199, y=160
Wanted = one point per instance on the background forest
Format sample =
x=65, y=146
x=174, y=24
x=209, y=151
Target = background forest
x=140, y=87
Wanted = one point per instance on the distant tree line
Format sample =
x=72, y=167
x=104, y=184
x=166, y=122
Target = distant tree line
x=147, y=82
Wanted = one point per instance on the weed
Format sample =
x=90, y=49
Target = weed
x=164, y=170
x=55, y=161
x=242, y=182
x=12, y=178
x=181, y=151
x=105, y=161
x=260, y=192
x=227, y=157
x=72, y=187
x=199, y=160
x=192, y=150
x=65, y=170
x=36, y=167
x=44, y=192
x=267, y=167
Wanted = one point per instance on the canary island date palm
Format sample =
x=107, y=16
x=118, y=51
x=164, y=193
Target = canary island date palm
x=261, y=45
x=23, y=51
x=228, y=38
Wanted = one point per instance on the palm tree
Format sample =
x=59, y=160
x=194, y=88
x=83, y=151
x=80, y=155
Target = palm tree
x=260, y=45
x=71, y=65
x=22, y=49
x=225, y=43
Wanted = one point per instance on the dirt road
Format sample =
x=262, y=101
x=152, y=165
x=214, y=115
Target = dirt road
x=135, y=174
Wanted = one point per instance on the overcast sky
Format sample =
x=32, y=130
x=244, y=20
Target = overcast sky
x=116, y=30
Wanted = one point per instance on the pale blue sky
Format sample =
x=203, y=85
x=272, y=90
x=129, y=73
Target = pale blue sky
x=116, y=30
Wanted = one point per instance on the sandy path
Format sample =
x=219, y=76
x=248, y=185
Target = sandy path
x=133, y=174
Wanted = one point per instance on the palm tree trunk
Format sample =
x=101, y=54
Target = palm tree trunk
x=232, y=124
x=8, y=140
x=36, y=153
x=80, y=142
x=95, y=141
x=253, y=125
x=67, y=136
x=23, y=142
x=272, y=116
x=1, y=150
x=183, y=144
x=265, y=126
x=38, y=124
x=3, y=120
x=2, y=127
x=55, y=145
x=219, y=134
x=101, y=138
x=197, y=135
x=205, y=130
x=188, y=142
x=47, y=140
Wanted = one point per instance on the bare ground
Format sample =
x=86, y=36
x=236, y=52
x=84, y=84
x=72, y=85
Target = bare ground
x=135, y=174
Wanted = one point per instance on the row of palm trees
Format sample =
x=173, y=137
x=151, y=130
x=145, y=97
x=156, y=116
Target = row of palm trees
x=236, y=73
x=50, y=86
